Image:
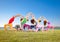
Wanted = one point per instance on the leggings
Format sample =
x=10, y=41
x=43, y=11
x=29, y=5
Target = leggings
x=26, y=25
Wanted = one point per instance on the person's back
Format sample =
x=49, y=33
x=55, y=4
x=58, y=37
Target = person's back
x=11, y=20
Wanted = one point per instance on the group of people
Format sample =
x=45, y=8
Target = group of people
x=35, y=23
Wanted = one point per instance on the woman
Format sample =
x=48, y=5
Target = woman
x=11, y=20
x=49, y=26
x=24, y=21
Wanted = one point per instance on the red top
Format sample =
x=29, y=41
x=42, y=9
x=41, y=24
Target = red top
x=11, y=20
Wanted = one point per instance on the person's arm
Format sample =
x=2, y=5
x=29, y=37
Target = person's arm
x=43, y=18
x=30, y=14
x=18, y=15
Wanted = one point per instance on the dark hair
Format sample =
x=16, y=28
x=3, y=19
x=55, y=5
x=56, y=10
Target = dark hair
x=45, y=22
x=32, y=21
x=21, y=19
x=39, y=21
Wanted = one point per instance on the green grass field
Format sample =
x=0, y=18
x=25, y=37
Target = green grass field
x=18, y=36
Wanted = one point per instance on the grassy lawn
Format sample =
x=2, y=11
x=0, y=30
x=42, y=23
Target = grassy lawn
x=18, y=36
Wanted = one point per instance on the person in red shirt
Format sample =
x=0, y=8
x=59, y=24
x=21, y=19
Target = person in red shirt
x=11, y=20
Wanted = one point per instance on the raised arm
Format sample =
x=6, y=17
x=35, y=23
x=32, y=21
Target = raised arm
x=18, y=15
x=43, y=18
x=30, y=14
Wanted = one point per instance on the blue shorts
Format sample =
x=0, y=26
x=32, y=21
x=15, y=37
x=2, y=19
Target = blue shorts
x=32, y=26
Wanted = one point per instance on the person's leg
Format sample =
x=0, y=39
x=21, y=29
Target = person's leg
x=30, y=28
x=52, y=28
x=47, y=29
x=5, y=26
x=17, y=26
x=26, y=26
x=42, y=28
x=33, y=28
x=10, y=25
x=22, y=27
x=36, y=30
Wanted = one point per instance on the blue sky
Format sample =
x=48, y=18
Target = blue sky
x=48, y=8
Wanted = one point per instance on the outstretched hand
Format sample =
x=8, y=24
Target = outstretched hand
x=18, y=15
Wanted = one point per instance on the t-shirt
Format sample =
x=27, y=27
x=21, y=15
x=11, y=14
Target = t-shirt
x=39, y=25
x=24, y=21
x=11, y=20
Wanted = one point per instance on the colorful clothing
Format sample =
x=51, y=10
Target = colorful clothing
x=11, y=20
x=38, y=26
x=26, y=25
x=5, y=26
x=9, y=23
x=24, y=21
x=33, y=26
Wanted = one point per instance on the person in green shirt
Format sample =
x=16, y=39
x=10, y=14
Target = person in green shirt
x=24, y=20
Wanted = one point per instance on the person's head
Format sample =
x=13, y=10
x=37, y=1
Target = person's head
x=45, y=22
x=21, y=19
x=48, y=22
x=33, y=21
x=39, y=20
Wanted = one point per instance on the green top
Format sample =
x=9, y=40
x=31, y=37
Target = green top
x=24, y=21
